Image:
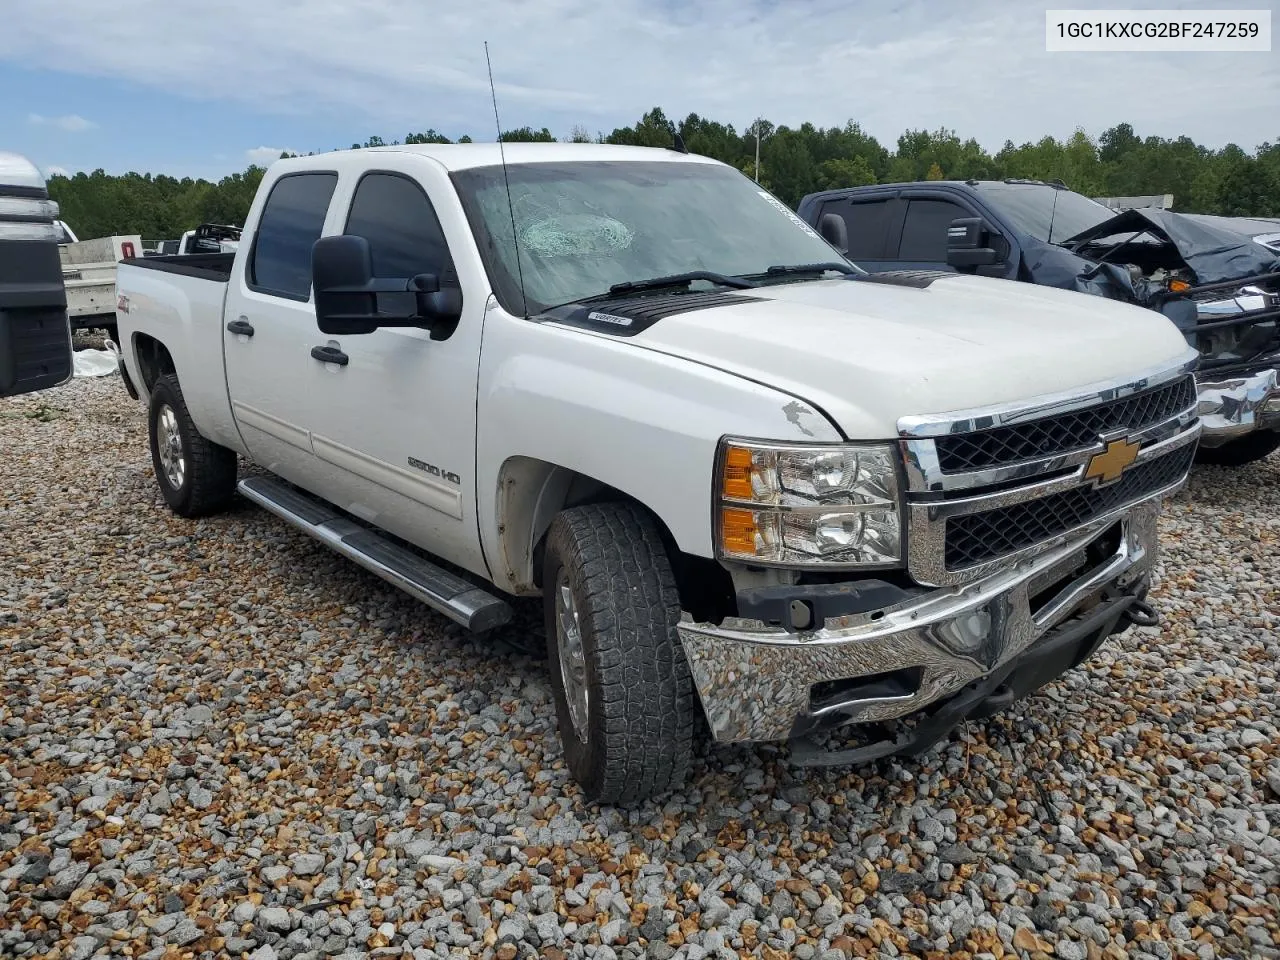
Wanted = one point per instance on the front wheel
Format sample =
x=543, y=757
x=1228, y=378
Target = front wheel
x=196, y=476
x=1250, y=448
x=624, y=697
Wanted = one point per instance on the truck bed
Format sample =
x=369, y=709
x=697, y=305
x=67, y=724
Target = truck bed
x=205, y=266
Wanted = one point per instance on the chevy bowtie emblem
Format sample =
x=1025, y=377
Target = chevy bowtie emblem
x=1107, y=466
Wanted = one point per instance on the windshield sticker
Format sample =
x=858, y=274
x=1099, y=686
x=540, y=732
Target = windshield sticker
x=609, y=318
x=789, y=214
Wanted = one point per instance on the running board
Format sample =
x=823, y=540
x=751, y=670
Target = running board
x=460, y=601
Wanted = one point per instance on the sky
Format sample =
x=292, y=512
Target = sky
x=203, y=89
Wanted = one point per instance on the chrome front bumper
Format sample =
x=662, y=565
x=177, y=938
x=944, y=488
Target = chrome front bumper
x=1232, y=407
x=755, y=680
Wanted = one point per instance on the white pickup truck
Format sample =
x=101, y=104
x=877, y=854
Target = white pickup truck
x=747, y=479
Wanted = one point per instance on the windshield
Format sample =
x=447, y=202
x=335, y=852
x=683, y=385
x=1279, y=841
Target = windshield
x=583, y=227
x=1030, y=206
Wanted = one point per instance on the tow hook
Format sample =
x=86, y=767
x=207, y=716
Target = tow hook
x=1141, y=614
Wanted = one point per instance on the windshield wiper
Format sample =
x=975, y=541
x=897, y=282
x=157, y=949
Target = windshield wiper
x=801, y=269
x=680, y=280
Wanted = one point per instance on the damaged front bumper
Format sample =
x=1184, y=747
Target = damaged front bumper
x=1231, y=407
x=759, y=681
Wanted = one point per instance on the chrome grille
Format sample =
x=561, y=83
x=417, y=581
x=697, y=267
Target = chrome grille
x=986, y=487
x=978, y=537
x=1065, y=433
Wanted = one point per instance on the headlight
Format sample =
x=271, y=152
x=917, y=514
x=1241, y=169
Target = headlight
x=808, y=506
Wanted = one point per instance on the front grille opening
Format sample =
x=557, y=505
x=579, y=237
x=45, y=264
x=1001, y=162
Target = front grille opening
x=1066, y=432
x=981, y=537
x=1097, y=553
x=904, y=682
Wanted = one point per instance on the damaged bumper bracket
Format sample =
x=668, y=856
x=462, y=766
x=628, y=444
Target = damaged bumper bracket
x=1058, y=651
x=762, y=682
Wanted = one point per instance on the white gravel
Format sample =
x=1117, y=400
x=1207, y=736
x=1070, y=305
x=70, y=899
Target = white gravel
x=217, y=738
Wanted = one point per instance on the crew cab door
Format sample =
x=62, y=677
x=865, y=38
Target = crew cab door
x=921, y=239
x=269, y=321
x=392, y=414
x=870, y=221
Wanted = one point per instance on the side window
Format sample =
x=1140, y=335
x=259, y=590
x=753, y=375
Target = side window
x=868, y=224
x=924, y=232
x=405, y=239
x=291, y=221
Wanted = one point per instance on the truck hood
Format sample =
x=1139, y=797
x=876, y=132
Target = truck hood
x=870, y=350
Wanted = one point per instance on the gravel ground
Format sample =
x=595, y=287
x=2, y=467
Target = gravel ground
x=217, y=738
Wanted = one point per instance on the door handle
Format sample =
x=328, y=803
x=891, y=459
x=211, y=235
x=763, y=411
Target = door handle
x=330, y=355
x=241, y=326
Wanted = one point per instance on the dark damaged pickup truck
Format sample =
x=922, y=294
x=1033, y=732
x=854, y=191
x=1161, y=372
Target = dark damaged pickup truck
x=1216, y=278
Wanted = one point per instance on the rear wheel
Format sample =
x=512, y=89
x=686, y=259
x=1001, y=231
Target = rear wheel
x=1247, y=449
x=196, y=476
x=625, y=701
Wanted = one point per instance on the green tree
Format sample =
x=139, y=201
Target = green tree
x=528, y=135
x=794, y=161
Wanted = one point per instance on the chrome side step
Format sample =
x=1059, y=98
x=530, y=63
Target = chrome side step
x=459, y=600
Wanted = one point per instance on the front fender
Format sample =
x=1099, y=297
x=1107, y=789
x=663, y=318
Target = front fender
x=556, y=403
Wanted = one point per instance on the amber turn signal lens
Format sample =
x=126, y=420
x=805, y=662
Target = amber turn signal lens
x=738, y=531
x=736, y=483
x=1179, y=286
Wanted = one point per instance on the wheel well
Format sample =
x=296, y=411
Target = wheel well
x=154, y=359
x=532, y=492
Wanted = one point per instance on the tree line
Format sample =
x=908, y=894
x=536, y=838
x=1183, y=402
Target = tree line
x=792, y=162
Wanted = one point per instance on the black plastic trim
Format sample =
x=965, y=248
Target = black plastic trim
x=23, y=193
x=907, y=278
x=627, y=316
x=203, y=266
x=773, y=605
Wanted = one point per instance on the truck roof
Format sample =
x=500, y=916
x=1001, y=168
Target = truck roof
x=836, y=192
x=463, y=156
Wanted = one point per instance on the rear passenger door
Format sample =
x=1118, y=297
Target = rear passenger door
x=869, y=222
x=270, y=324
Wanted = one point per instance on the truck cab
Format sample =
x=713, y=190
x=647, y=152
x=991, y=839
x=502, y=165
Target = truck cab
x=1216, y=278
x=35, y=339
x=751, y=484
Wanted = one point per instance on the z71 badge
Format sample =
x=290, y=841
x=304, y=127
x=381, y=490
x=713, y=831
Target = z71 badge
x=432, y=470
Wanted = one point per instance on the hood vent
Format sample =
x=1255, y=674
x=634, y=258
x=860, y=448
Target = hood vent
x=906, y=278
x=627, y=316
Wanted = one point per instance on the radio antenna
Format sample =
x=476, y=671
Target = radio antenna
x=493, y=92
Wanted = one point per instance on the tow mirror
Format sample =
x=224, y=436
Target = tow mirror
x=973, y=243
x=346, y=292
x=835, y=231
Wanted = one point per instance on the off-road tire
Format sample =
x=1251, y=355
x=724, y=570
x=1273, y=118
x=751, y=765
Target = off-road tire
x=209, y=481
x=1250, y=448
x=642, y=709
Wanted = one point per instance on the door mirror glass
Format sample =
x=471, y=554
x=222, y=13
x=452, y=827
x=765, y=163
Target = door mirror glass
x=346, y=292
x=341, y=274
x=972, y=243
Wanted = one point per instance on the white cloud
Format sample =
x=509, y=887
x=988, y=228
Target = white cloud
x=392, y=66
x=263, y=156
x=56, y=171
x=71, y=123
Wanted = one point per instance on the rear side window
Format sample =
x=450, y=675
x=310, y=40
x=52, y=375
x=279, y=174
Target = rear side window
x=291, y=222
x=868, y=224
x=405, y=239
x=924, y=233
